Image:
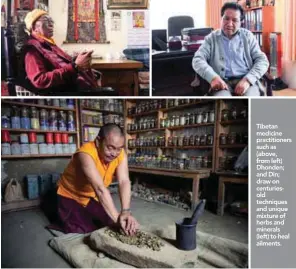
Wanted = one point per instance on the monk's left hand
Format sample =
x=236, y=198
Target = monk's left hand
x=128, y=223
x=242, y=87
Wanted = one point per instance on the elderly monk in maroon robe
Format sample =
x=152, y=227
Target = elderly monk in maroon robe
x=48, y=68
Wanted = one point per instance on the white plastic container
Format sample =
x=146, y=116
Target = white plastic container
x=73, y=148
x=42, y=148
x=25, y=149
x=15, y=148
x=66, y=149
x=34, y=149
x=24, y=138
x=5, y=149
x=58, y=148
x=50, y=148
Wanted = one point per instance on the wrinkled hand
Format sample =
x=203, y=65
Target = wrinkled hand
x=83, y=60
x=218, y=84
x=242, y=86
x=128, y=223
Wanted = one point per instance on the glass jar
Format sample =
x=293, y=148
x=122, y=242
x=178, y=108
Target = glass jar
x=223, y=139
x=173, y=121
x=25, y=118
x=15, y=118
x=181, y=165
x=187, y=119
x=170, y=141
x=212, y=116
x=225, y=115
x=222, y=163
x=70, y=121
x=62, y=121
x=34, y=119
x=43, y=120
x=186, y=141
x=176, y=102
x=180, y=140
x=232, y=138
x=205, y=117
x=175, y=141
x=197, y=140
x=191, y=140
x=205, y=162
x=210, y=139
x=203, y=140
x=52, y=120
x=233, y=113
x=177, y=120
x=192, y=119
x=244, y=113
x=162, y=123
x=182, y=120
x=198, y=163
x=199, y=118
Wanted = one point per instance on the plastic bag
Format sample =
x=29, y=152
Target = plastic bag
x=13, y=191
x=241, y=164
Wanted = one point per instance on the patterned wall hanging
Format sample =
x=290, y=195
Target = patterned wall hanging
x=86, y=22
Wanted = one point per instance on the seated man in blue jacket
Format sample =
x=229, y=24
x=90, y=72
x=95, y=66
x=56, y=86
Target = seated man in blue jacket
x=230, y=59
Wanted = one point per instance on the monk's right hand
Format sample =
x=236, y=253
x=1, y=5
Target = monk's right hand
x=128, y=223
x=83, y=60
x=218, y=84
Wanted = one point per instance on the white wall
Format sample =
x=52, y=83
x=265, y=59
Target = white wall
x=161, y=10
x=58, y=10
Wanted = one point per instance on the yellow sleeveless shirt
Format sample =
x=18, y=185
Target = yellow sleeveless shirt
x=79, y=189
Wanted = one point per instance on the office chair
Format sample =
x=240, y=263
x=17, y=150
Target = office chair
x=177, y=23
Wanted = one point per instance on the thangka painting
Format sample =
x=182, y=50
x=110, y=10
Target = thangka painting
x=86, y=22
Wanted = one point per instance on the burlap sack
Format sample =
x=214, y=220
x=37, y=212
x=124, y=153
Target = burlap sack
x=13, y=191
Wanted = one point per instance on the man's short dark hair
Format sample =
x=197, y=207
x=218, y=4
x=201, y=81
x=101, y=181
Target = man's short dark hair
x=235, y=6
x=108, y=128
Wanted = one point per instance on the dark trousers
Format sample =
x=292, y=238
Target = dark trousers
x=76, y=218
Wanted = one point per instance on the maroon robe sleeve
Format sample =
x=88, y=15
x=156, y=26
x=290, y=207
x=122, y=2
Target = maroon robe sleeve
x=42, y=78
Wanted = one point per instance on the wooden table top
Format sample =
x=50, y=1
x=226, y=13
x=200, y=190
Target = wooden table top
x=170, y=172
x=115, y=64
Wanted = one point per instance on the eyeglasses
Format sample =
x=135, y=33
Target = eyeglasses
x=234, y=20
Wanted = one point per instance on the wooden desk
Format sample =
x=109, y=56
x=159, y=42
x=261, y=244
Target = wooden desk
x=122, y=75
x=228, y=178
x=194, y=175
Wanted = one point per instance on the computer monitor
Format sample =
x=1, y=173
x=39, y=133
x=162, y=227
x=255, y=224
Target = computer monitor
x=159, y=39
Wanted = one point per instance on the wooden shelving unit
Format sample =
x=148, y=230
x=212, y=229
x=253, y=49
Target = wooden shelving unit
x=162, y=113
x=20, y=104
x=104, y=112
x=227, y=127
x=267, y=14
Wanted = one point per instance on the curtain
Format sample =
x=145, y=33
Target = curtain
x=286, y=24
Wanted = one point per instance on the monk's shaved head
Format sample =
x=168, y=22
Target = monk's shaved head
x=108, y=129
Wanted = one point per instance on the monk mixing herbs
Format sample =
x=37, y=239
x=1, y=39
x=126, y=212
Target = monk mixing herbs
x=84, y=201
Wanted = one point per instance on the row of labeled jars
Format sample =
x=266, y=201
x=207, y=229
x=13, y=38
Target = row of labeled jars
x=197, y=140
x=158, y=141
x=188, y=119
x=234, y=114
x=66, y=103
x=180, y=102
x=168, y=162
x=145, y=106
x=142, y=124
x=233, y=138
x=100, y=119
x=32, y=118
x=16, y=148
x=113, y=105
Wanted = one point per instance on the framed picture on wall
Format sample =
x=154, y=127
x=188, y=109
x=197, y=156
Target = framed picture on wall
x=128, y=4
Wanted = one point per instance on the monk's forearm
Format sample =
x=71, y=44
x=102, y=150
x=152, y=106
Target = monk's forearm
x=125, y=194
x=107, y=203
